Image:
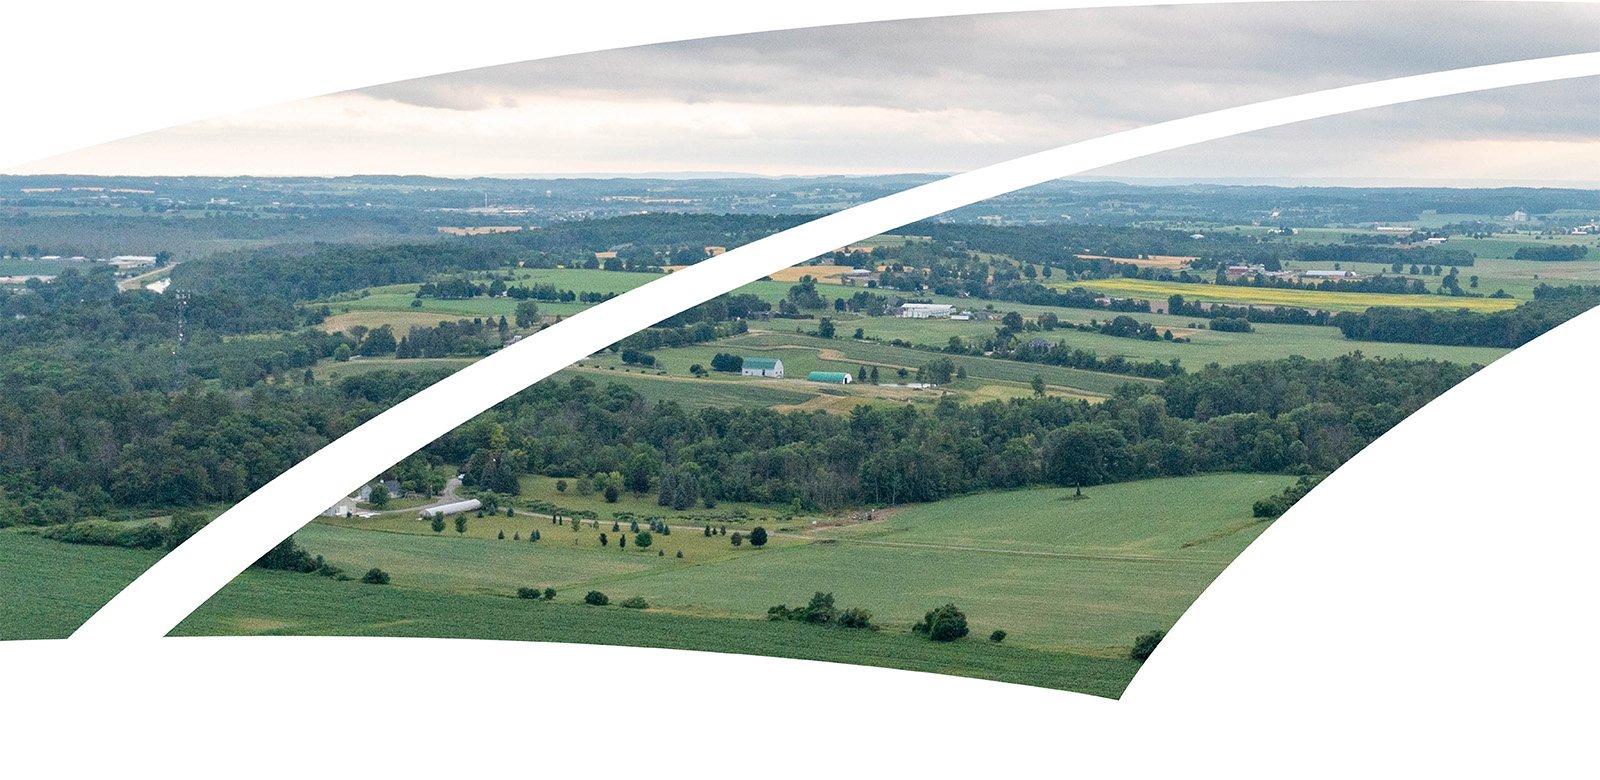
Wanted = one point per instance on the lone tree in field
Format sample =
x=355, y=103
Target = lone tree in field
x=549, y=594
x=603, y=540
x=375, y=576
x=758, y=537
x=561, y=486
x=643, y=539
x=596, y=598
x=502, y=536
x=1038, y=385
x=1145, y=645
x=622, y=542
x=438, y=522
x=737, y=539
x=944, y=624
x=461, y=523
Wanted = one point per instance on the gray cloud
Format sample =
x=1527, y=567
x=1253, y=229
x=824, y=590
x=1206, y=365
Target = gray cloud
x=950, y=94
x=1132, y=65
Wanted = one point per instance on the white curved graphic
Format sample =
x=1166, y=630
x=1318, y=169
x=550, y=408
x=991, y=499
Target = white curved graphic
x=158, y=600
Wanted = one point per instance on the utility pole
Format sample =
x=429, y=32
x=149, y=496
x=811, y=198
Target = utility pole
x=182, y=297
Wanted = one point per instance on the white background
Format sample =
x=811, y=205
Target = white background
x=1427, y=610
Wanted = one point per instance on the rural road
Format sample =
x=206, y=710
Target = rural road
x=135, y=282
x=447, y=497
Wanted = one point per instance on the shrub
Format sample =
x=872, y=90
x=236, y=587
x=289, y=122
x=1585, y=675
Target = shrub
x=643, y=539
x=1145, y=645
x=854, y=617
x=758, y=536
x=527, y=593
x=375, y=576
x=549, y=594
x=998, y=636
x=944, y=624
x=561, y=486
x=737, y=539
x=596, y=598
x=637, y=602
x=612, y=494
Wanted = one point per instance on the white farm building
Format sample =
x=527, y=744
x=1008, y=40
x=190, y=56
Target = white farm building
x=760, y=366
x=469, y=505
x=922, y=311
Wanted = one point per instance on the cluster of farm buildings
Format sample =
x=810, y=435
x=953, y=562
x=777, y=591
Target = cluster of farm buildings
x=1235, y=272
x=773, y=367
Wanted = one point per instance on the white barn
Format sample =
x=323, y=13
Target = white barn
x=922, y=311
x=761, y=366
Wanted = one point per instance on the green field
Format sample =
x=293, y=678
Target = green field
x=1081, y=576
x=53, y=587
x=1268, y=296
x=276, y=603
x=1206, y=346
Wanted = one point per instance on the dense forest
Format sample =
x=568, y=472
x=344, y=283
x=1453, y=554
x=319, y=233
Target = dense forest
x=90, y=444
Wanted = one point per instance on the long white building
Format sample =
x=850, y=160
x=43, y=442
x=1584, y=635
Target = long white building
x=469, y=505
x=923, y=311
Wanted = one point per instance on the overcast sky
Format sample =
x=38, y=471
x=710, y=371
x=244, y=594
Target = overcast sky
x=948, y=95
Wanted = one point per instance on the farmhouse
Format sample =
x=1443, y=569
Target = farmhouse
x=762, y=366
x=469, y=505
x=922, y=311
x=391, y=485
x=830, y=377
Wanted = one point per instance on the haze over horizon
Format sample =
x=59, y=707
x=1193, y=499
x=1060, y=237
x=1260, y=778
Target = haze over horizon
x=948, y=94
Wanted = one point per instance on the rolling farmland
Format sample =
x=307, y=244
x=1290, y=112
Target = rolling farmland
x=1269, y=296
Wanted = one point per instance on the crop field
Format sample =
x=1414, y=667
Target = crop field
x=1206, y=346
x=1307, y=299
x=52, y=587
x=1172, y=262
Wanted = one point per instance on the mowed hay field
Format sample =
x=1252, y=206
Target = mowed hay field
x=1268, y=296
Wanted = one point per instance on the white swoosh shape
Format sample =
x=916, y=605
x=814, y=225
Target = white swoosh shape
x=180, y=582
